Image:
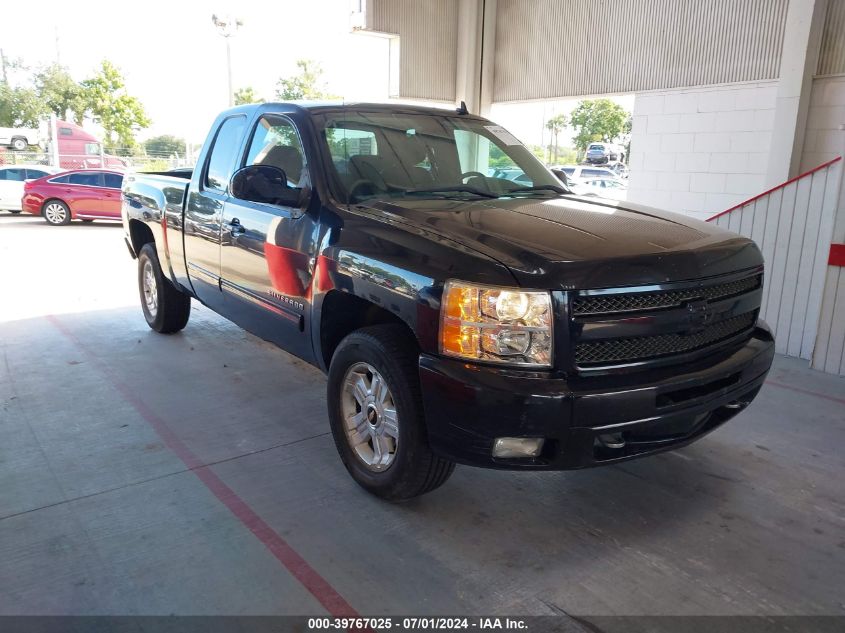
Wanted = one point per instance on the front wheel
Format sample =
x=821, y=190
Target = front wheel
x=376, y=414
x=19, y=144
x=14, y=211
x=166, y=309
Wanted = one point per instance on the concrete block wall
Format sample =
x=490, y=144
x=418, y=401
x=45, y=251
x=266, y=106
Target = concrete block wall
x=823, y=140
x=701, y=150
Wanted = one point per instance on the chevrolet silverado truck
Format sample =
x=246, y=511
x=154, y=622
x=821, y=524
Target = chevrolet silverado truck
x=460, y=317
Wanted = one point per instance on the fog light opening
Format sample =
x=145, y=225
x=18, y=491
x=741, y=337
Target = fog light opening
x=612, y=440
x=516, y=447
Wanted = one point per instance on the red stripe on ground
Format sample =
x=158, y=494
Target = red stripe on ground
x=299, y=568
x=805, y=391
x=837, y=255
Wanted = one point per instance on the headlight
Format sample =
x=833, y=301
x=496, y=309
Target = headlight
x=496, y=325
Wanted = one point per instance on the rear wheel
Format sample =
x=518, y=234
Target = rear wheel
x=165, y=308
x=376, y=415
x=56, y=212
x=19, y=144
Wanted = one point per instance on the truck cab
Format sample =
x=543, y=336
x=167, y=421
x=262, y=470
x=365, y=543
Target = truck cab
x=460, y=317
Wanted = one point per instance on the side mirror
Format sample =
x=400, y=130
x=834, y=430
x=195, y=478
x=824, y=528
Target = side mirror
x=561, y=175
x=265, y=184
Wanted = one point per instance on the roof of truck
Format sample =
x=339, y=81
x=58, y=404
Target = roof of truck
x=318, y=106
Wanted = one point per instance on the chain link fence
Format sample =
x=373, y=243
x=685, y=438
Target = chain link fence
x=133, y=162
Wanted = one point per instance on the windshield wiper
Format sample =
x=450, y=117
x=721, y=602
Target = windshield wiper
x=539, y=188
x=454, y=189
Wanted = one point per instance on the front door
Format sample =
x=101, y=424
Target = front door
x=204, y=212
x=267, y=251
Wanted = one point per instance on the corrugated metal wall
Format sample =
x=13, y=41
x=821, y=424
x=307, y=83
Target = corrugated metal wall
x=832, y=54
x=793, y=226
x=552, y=48
x=428, y=32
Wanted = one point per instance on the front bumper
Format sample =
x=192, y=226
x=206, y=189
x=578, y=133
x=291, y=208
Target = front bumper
x=467, y=406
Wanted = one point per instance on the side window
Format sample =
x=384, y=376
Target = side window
x=92, y=149
x=2, y=174
x=276, y=143
x=223, y=153
x=86, y=178
x=113, y=181
x=61, y=179
x=35, y=173
x=18, y=175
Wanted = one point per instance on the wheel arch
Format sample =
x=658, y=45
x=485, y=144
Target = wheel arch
x=342, y=313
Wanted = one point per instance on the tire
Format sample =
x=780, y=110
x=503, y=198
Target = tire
x=87, y=221
x=410, y=468
x=19, y=144
x=56, y=213
x=165, y=308
x=14, y=211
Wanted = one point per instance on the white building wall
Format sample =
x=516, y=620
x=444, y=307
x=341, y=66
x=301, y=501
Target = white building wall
x=701, y=150
x=824, y=139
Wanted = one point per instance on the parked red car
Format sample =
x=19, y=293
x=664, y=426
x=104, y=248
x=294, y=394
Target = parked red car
x=85, y=194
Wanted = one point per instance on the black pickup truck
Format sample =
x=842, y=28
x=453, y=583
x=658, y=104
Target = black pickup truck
x=460, y=317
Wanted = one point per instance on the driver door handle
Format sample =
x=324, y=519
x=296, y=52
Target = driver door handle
x=236, y=227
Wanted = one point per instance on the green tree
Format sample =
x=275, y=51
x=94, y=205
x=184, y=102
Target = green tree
x=165, y=145
x=104, y=96
x=246, y=95
x=59, y=93
x=20, y=107
x=306, y=84
x=555, y=125
x=598, y=120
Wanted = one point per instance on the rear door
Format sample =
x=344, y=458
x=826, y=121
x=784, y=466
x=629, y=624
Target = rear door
x=204, y=210
x=11, y=187
x=267, y=253
x=112, y=184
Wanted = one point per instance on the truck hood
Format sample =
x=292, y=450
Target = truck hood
x=573, y=242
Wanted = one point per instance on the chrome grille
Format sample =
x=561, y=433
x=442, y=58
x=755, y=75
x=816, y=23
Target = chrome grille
x=645, y=347
x=624, y=302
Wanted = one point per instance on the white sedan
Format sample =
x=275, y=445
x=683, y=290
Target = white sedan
x=610, y=188
x=12, y=178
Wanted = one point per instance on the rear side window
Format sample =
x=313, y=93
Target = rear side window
x=113, y=181
x=223, y=153
x=89, y=179
x=35, y=173
x=13, y=174
x=61, y=179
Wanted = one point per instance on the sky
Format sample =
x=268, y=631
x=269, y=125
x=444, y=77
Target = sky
x=174, y=59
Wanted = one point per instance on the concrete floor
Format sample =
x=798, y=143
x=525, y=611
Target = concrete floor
x=194, y=474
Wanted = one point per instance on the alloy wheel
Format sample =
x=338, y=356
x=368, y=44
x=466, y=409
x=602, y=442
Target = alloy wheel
x=150, y=288
x=369, y=413
x=55, y=213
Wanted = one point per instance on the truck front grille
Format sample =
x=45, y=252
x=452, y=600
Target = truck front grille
x=615, y=303
x=617, y=327
x=619, y=350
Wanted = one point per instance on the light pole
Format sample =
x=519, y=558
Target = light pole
x=228, y=26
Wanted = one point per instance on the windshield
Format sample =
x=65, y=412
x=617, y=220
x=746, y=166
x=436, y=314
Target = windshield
x=377, y=155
